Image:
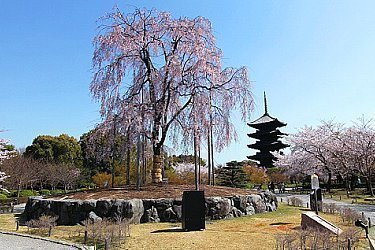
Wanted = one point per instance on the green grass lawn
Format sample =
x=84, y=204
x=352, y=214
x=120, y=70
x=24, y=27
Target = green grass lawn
x=252, y=232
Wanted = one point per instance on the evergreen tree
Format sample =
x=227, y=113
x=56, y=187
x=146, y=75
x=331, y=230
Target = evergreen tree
x=232, y=175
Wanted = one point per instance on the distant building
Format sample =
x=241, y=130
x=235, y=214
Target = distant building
x=267, y=137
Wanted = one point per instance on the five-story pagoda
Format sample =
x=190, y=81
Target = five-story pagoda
x=268, y=138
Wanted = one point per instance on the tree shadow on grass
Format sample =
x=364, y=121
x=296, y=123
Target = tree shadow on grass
x=305, y=209
x=280, y=223
x=170, y=230
x=21, y=218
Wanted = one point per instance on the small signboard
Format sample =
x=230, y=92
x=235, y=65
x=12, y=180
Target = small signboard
x=314, y=182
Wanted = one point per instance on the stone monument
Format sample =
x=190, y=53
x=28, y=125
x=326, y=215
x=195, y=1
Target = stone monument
x=316, y=199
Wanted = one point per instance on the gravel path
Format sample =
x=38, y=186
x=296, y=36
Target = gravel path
x=16, y=242
x=368, y=210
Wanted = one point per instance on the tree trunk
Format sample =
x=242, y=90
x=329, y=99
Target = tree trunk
x=18, y=190
x=353, y=182
x=369, y=186
x=347, y=185
x=128, y=166
x=329, y=182
x=157, y=166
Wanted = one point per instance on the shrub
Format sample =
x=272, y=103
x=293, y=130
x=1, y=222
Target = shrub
x=45, y=192
x=315, y=239
x=44, y=224
x=182, y=177
x=115, y=230
x=56, y=192
x=330, y=208
x=7, y=194
x=349, y=215
x=294, y=201
x=102, y=180
x=25, y=193
x=3, y=196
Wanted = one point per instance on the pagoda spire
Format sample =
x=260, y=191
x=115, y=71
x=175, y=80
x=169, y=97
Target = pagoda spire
x=265, y=104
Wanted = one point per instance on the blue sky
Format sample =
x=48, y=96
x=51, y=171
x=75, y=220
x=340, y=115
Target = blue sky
x=315, y=60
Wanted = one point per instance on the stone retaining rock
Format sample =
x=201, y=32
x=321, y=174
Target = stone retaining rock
x=71, y=212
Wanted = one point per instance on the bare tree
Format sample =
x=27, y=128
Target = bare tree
x=22, y=172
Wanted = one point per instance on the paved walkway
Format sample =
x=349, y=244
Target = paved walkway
x=10, y=241
x=17, y=242
x=368, y=210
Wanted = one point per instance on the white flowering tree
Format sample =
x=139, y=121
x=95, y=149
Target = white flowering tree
x=334, y=149
x=163, y=77
x=359, y=147
x=311, y=152
x=6, y=151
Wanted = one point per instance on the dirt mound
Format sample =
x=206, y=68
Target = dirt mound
x=155, y=192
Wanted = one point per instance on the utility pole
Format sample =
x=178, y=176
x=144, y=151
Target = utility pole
x=196, y=173
x=138, y=161
x=128, y=157
x=114, y=150
x=199, y=164
x=212, y=158
x=209, y=158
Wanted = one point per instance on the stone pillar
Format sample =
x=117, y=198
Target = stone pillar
x=156, y=169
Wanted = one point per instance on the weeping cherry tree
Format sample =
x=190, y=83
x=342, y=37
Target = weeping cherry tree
x=163, y=76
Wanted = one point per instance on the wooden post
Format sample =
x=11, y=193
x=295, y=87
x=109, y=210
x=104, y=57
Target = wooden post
x=85, y=237
x=106, y=244
x=50, y=231
x=349, y=244
x=17, y=225
x=316, y=202
x=369, y=222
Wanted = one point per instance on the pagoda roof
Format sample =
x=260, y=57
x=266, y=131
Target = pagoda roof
x=266, y=119
x=261, y=134
x=274, y=146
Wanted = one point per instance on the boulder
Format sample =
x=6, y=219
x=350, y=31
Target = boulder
x=218, y=207
x=68, y=211
x=94, y=218
x=236, y=212
x=240, y=202
x=250, y=210
x=258, y=203
x=133, y=210
x=178, y=211
x=103, y=207
x=270, y=200
x=150, y=215
x=169, y=215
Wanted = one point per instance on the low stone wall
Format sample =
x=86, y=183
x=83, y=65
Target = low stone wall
x=71, y=212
